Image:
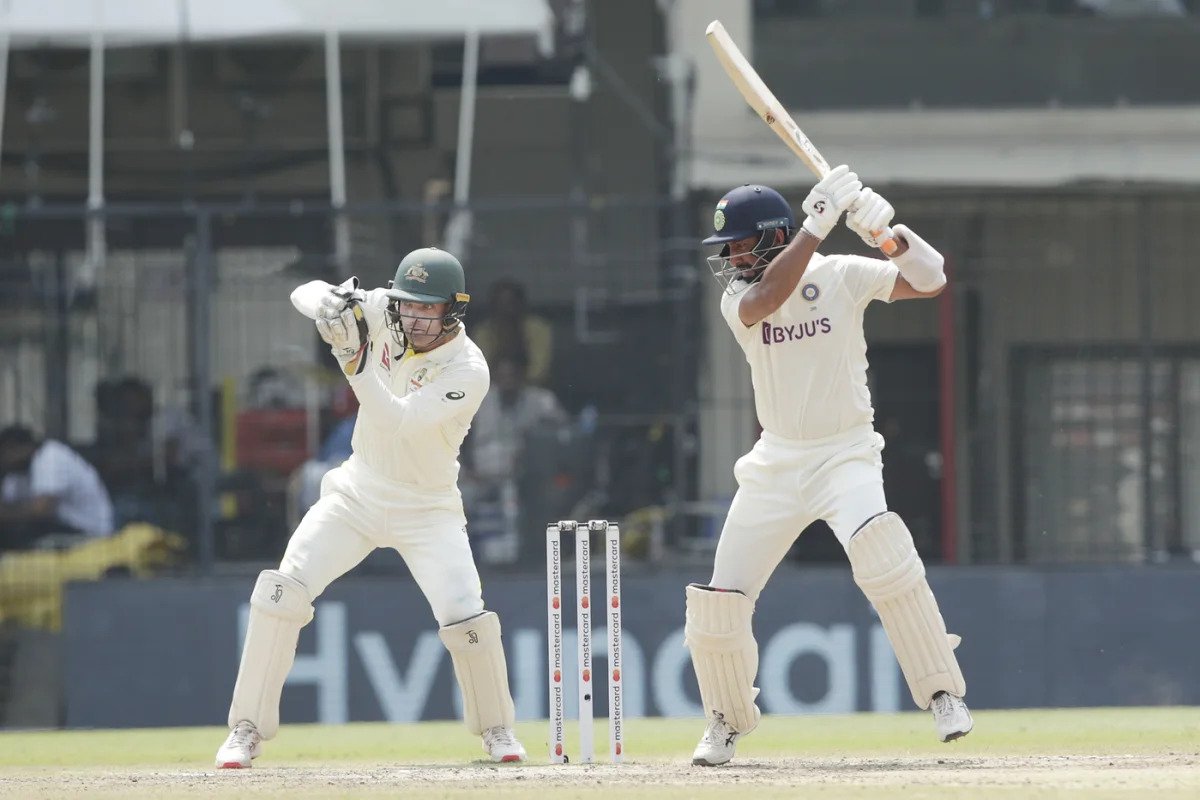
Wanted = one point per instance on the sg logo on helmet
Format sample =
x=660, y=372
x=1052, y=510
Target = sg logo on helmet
x=417, y=273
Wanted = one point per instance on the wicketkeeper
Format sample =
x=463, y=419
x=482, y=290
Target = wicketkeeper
x=419, y=381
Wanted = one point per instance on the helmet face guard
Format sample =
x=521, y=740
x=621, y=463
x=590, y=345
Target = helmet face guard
x=734, y=278
x=451, y=320
x=744, y=212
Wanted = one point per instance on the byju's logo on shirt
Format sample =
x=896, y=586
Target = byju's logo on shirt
x=778, y=334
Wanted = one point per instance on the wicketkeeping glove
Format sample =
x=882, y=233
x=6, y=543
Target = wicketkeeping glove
x=342, y=325
x=338, y=298
x=832, y=195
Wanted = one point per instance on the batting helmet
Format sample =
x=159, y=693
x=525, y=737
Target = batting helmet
x=748, y=211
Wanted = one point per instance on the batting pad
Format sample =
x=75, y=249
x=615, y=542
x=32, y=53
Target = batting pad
x=478, y=656
x=890, y=573
x=724, y=653
x=279, y=608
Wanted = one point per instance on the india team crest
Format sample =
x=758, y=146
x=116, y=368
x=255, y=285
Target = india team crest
x=417, y=272
x=718, y=220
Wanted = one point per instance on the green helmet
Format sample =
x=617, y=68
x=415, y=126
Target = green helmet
x=429, y=275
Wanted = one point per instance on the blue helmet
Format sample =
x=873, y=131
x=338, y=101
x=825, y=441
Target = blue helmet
x=749, y=210
x=743, y=212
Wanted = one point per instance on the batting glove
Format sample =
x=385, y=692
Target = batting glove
x=871, y=213
x=829, y=199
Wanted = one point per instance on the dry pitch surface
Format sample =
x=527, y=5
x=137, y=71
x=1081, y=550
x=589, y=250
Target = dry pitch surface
x=1083, y=753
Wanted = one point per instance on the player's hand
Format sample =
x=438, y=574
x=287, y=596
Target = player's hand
x=343, y=332
x=871, y=212
x=339, y=329
x=339, y=298
x=829, y=199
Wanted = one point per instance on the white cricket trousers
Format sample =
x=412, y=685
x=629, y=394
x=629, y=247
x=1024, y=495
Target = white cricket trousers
x=784, y=485
x=358, y=512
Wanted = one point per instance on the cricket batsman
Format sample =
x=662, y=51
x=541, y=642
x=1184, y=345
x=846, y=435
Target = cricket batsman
x=798, y=316
x=419, y=381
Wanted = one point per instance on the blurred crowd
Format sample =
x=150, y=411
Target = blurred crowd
x=527, y=460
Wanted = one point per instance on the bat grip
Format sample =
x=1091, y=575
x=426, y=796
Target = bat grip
x=889, y=245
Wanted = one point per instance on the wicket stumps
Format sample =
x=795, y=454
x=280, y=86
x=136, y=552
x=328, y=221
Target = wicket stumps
x=556, y=532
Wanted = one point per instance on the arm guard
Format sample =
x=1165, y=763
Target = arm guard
x=920, y=265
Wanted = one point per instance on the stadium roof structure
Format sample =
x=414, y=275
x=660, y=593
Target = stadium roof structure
x=75, y=23
x=101, y=24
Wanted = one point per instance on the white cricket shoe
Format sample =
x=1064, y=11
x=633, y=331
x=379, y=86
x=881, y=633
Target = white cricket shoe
x=717, y=745
x=951, y=716
x=501, y=744
x=244, y=743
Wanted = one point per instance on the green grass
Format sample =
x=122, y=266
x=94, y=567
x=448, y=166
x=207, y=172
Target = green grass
x=1039, y=732
x=1141, y=752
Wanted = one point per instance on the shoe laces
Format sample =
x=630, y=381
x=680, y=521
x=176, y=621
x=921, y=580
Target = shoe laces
x=944, y=704
x=242, y=735
x=500, y=735
x=719, y=732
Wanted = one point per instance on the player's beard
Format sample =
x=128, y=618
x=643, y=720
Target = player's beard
x=763, y=255
x=754, y=270
x=752, y=273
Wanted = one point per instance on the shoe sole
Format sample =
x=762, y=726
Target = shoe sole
x=957, y=735
x=233, y=765
x=510, y=759
x=700, y=762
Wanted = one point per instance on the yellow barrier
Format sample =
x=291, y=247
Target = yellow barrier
x=31, y=581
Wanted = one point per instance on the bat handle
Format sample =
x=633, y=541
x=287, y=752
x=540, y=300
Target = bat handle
x=889, y=244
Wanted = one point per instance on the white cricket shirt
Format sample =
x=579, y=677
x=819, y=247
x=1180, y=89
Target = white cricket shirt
x=808, y=360
x=414, y=408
